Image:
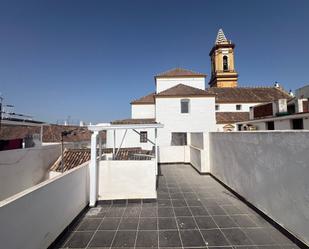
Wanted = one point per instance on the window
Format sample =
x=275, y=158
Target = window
x=291, y=108
x=143, y=137
x=238, y=107
x=179, y=138
x=239, y=127
x=184, y=105
x=270, y=125
x=297, y=124
x=217, y=107
x=225, y=63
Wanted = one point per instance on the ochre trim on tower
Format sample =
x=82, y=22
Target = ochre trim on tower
x=223, y=73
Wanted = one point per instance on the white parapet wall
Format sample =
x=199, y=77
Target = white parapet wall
x=199, y=150
x=34, y=218
x=127, y=179
x=270, y=170
x=174, y=154
x=23, y=168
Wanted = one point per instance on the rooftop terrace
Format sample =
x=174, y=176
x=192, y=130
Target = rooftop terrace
x=192, y=211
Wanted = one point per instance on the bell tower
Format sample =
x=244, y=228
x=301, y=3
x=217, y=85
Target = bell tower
x=223, y=73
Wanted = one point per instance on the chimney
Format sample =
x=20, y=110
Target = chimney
x=280, y=107
x=251, y=113
x=291, y=93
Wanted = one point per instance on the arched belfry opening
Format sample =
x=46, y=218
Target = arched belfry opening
x=223, y=73
x=225, y=63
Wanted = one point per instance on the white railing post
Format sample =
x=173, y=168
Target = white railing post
x=93, y=170
x=156, y=150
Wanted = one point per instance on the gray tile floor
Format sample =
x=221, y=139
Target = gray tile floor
x=192, y=211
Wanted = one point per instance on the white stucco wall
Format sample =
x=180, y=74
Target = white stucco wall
x=165, y=83
x=34, y=218
x=197, y=140
x=23, y=168
x=200, y=119
x=127, y=180
x=142, y=111
x=219, y=127
x=199, y=151
x=306, y=123
x=132, y=139
x=283, y=124
x=245, y=107
x=260, y=126
x=173, y=154
x=269, y=169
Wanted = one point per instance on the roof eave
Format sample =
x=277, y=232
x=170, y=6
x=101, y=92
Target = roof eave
x=216, y=46
x=185, y=95
x=142, y=103
x=181, y=76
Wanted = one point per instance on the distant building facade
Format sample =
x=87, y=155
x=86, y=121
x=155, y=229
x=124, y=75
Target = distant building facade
x=283, y=114
x=185, y=107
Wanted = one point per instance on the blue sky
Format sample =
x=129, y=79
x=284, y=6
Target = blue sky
x=89, y=59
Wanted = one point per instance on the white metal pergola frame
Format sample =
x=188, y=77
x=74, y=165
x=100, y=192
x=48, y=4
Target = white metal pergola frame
x=95, y=138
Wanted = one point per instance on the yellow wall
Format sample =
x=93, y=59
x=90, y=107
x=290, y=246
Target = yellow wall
x=221, y=78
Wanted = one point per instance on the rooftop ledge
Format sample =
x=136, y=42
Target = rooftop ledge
x=264, y=131
x=109, y=126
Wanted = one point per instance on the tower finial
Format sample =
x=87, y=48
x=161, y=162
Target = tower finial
x=221, y=37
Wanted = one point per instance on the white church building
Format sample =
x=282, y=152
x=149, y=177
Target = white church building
x=189, y=110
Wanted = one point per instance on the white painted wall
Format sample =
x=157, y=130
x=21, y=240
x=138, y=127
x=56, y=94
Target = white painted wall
x=219, y=127
x=245, y=107
x=23, y=168
x=200, y=119
x=173, y=154
x=199, y=151
x=269, y=169
x=284, y=124
x=281, y=123
x=132, y=139
x=260, y=126
x=34, y=218
x=195, y=157
x=165, y=83
x=127, y=180
x=306, y=123
x=197, y=140
x=142, y=111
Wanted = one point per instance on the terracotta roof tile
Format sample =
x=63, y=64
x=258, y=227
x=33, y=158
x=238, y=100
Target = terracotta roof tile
x=71, y=159
x=75, y=157
x=135, y=121
x=179, y=72
x=248, y=94
x=146, y=100
x=231, y=117
x=182, y=90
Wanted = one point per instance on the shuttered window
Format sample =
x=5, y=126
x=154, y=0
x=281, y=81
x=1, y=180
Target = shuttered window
x=143, y=137
x=184, y=105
